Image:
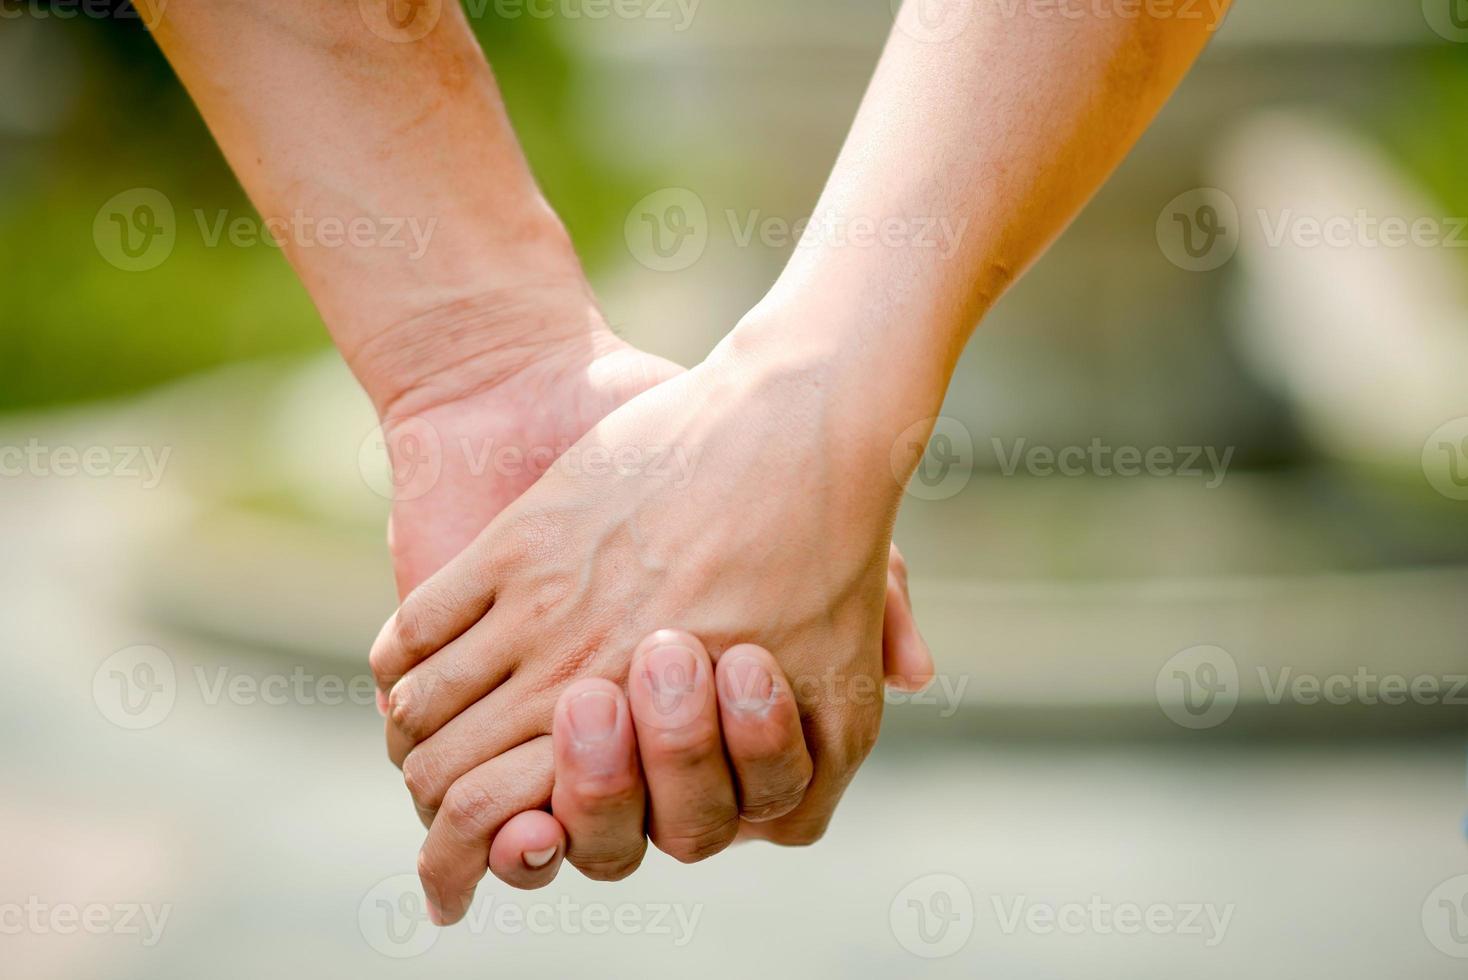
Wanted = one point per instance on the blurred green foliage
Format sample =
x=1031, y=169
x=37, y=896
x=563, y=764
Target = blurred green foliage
x=75, y=327
x=1427, y=127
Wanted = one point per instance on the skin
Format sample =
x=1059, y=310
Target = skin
x=574, y=570
x=562, y=584
x=618, y=754
x=603, y=806
x=818, y=390
x=491, y=338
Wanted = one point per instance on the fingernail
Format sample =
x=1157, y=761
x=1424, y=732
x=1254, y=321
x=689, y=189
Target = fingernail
x=747, y=685
x=670, y=677
x=382, y=702
x=670, y=671
x=539, y=859
x=593, y=717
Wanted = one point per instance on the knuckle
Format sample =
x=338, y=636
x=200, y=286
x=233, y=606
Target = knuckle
x=597, y=794
x=413, y=626
x=408, y=713
x=527, y=539
x=410, y=627
x=845, y=737
x=681, y=748
x=758, y=809
x=430, y=874
x=382, y=665
x=468, y=808
x=421, y=779
x=779, y=795
x=448, y=674
x=427, y=872
x=691, y=845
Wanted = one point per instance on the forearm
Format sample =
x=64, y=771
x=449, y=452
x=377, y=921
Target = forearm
x=967, y=158
x=407, y=142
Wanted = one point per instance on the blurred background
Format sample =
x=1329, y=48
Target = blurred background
x=1201, y=705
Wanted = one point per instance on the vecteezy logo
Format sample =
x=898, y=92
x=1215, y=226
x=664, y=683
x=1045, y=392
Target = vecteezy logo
x=136, y=687
x=151, y=19
x=135, y=230
x=400, y=20
x=1199, y=231
x=671, y=677
x=394, y=919
x=1199, y=687
x=669, y=687
x=933, y=916
x=932, y=21
x=402, y=461
x=668, y=230
x=1445, y=917
x=1448, y=18
x=402, y=13
x=940, y=465
x=1445, y=459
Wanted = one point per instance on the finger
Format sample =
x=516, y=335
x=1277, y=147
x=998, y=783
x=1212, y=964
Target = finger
x=398, y=745
x=456, y=854
x=599, y=795
x=511, y=715
x=433, y=614
x=906, y=660
x=807, y=823
x=441, y=687
x=527, y=851
x=841, y=729
x=690, y=789
x=762, y=734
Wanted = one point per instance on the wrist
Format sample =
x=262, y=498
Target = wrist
x=501, y=310
x=882, y=377
x=871, y=410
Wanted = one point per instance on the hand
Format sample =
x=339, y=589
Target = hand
x=569, y=372
x=703, y=751
x=531, y=408
x=582, y=565
x=496, y=426
x=599, y=802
